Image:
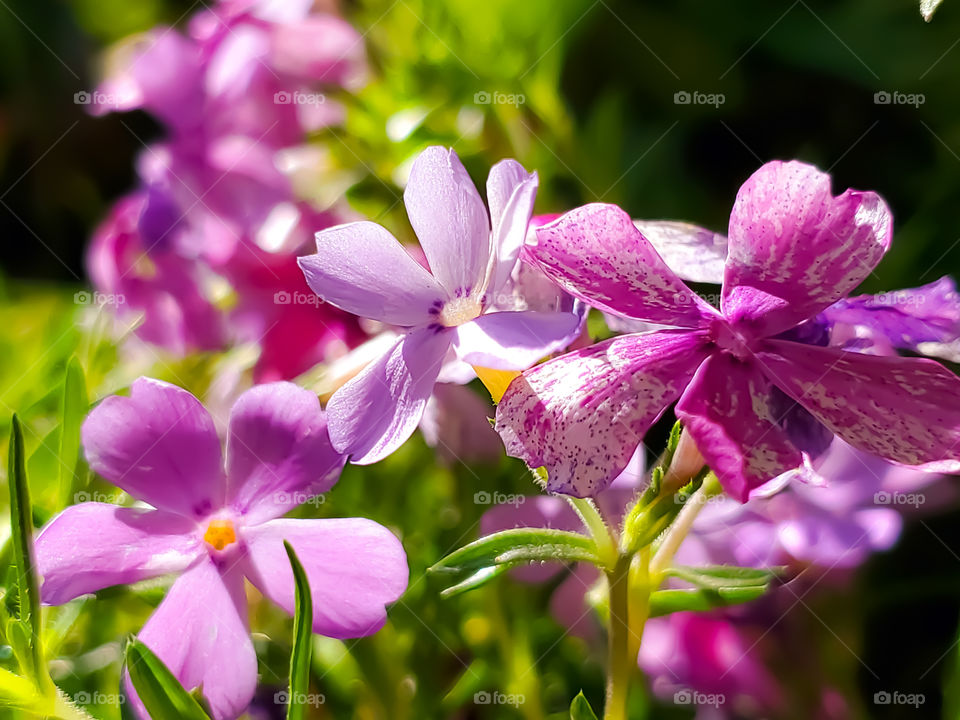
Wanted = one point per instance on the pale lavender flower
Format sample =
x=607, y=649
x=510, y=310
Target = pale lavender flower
x=362, y=268
x=215, y=523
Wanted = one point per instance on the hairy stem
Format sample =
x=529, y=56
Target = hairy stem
x=590, y=515
x=621, y=663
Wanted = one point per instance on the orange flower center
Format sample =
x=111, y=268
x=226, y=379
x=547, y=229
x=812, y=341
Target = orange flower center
x=220, y=533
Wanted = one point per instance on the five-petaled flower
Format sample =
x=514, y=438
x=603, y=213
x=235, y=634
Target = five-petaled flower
x=794, y=250
x=362, y=268
x=217, y=523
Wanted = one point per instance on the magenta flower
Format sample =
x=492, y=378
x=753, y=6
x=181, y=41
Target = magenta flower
x=216, y=524
x=363, y=269
x=794, y=250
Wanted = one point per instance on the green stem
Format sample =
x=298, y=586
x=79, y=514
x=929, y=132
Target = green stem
x=621, y=664
x=681, y=526
x=590, y=515
x=639, y=599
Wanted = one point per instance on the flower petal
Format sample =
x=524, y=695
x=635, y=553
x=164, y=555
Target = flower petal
x=515, y=340
x=795, y=249
x=361, y=268
x=355, y=568
x=727, y=410
x=692, y=252
x=596, y=253
x=582, y=415
x=200, y=633
x=90, y=546
x=278, y=451
x=160, y=445
x=376, y=411
x=924, y=319
x=511, y=192
x=906, y=410
x=450, y=220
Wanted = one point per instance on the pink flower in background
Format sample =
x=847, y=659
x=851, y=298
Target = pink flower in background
x=453, y=306
x=216, y=524
x=794, y=250
x=246, y=85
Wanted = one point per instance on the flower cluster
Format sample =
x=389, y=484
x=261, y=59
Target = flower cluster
x=208, y=242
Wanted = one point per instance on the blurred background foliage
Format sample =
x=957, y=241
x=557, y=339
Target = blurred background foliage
x=584, y=91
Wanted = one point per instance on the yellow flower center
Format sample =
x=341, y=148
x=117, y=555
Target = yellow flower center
x=460, y=310
x=220, y=533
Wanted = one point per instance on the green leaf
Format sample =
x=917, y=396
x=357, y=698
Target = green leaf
x=73, y=408
x=580, y=709
x=160, y=692
x=491, y=556
x=724, y=577
x=18, y=692
x=664, y=602
x=478, y=579
x=520, y=545
x=21, y=525
x=302, y=636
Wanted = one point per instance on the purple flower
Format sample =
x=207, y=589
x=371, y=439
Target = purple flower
x=215, y=524
x=362, y=268
x=794, y=250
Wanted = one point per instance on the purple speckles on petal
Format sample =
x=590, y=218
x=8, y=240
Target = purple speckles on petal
x=582, y=415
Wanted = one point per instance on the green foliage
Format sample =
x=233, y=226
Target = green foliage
x=302, y=634
x=159, y=691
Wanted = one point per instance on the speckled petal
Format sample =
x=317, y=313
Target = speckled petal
x=906, y=410
x=794, y=248
x=597, y=254
x=583, y=415
x=727, y=410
